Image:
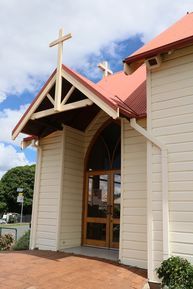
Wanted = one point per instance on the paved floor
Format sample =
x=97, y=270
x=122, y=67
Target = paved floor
x=109, y=254
x=57, y=270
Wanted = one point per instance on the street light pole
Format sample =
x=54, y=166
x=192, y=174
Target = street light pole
x=21, y=216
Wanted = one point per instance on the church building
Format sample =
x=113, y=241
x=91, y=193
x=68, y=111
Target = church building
x=115, y=158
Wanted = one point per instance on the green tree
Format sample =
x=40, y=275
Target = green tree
x=18, y=177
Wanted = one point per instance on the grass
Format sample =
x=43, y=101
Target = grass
x=23, y=242
x=14, y=225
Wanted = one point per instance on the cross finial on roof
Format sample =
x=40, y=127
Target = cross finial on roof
x=58, y=89
x=104, y=66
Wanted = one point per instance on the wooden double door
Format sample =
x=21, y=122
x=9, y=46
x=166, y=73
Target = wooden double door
x=102, y=209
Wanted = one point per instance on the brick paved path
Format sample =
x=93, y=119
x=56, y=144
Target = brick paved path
x=54, y=270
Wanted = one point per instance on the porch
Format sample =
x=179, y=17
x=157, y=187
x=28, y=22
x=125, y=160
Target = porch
x=100, y=253
x=89, y=199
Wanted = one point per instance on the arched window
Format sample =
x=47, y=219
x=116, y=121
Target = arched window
x=106, y=151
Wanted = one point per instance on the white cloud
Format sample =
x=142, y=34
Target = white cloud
x=9, y=158
x=2, y=96
x=8, y=120
x=29, y=26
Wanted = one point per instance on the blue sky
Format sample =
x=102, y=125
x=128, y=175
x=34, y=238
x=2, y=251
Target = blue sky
x=102, y=30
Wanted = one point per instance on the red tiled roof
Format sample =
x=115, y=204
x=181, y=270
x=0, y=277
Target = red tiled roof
x=129, y=91
x=178, y=35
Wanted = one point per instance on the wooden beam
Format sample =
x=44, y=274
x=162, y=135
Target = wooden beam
x=43, y=113
x=76, y=104
x=34, y=106
x=113, y=112
x=60, y=39
x=66, y=107
x=58, y=87
x=68, y=95
x=50, y=98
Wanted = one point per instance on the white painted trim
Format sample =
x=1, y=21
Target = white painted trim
x=66, y=107
x=149, y=214
x=146, y=134
x=43, y=113
x=34, y=107
x=165, y=204
x=60, y=193
x=36, y=199
x=50, y=98
x=149, y=185
x=69, y=93
x=92, y=96
x=122, y=191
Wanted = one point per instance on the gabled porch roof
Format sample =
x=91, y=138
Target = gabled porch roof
x=116, y=95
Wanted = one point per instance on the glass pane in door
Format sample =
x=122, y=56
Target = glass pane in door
x=117, y=196
x=116, y=230
x=97, y=196
x=96, y=231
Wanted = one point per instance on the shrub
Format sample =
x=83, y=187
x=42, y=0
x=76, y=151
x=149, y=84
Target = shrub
x=176, y=273
x=23, y=242
x=6, y=241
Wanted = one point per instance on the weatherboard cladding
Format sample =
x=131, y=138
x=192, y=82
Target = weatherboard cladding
x=172, y=122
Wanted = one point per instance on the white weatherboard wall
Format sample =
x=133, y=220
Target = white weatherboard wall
x=133, y=242
x=94, y=126
x=48, y=191
x=170, y=96
x=73, y=171
x=75, y=148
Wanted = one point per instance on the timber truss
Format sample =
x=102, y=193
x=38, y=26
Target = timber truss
x=63, y=105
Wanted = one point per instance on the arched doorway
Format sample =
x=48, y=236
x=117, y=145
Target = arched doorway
x=103, y=189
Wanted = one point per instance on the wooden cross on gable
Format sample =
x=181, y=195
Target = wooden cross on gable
x=58, y=89
x=104, y=66
x=59, y=102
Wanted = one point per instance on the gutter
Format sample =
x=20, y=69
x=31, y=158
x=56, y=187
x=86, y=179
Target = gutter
x=164, y=169
x=161, y=49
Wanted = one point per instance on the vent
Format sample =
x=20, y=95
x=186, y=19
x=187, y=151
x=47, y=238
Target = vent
x=153, y=62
